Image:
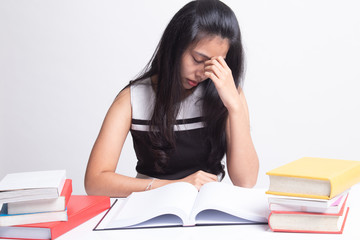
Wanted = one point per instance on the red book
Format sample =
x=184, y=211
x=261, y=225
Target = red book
x=306, y=222
x=79, y=209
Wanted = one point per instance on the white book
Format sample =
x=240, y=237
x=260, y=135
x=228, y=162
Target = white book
x=332, y=209
x=181, y=204
x=287, y=203
x=26, y=186
x=43, y=205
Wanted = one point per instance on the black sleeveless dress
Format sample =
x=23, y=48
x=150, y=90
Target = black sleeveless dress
x=191, y=150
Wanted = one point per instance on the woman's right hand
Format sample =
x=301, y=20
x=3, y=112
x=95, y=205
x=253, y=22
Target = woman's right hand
x=199, y=178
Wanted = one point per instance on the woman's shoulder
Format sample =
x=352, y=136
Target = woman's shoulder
x=134, y=87
x=142, y=98
x=141, y=83
x=123, y=98
x=141, y=90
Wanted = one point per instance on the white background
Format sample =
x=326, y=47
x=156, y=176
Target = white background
x=63, y=62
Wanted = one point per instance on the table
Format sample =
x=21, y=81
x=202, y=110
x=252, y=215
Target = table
x=351, y=230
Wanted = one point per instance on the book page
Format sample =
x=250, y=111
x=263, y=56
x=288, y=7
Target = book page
x=140, y=207
x=244, y=203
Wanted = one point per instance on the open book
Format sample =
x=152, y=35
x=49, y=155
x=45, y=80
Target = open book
x=181, y=204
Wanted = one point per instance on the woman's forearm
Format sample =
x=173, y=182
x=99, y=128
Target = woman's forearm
x=117, y=185
x=242, y=159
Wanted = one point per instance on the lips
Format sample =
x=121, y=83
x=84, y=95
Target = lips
x=192, y=83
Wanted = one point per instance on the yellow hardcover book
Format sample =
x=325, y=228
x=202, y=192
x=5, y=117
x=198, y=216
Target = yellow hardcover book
x=310, y=177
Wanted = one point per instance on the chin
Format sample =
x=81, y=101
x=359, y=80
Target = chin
x=186, y=86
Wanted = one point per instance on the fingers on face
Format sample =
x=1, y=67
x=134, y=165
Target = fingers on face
x=218, y=61
x=223, y=63
x=213, y=71
x=216, y=68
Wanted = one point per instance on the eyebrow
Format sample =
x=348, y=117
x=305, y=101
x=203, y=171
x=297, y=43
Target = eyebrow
x=203, y=55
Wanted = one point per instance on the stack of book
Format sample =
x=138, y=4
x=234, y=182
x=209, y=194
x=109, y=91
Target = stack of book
x=40, y=205
x=310, y=195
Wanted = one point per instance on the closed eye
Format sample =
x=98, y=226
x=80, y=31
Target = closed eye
x=197, y=61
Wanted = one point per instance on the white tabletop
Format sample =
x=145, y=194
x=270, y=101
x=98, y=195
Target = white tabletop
x=351, y=230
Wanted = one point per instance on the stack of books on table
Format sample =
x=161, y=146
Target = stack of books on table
x=40, y=205
x=310, y=195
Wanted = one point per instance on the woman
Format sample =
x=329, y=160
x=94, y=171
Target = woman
x=184, y=112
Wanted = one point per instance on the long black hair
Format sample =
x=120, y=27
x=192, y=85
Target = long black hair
x=196, y=20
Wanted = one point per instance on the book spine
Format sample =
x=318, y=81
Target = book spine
x=344, y=180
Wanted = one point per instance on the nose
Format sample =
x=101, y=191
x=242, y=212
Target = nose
x=200, y=74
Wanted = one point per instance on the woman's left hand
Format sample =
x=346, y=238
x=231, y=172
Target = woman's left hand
x=219, y=72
